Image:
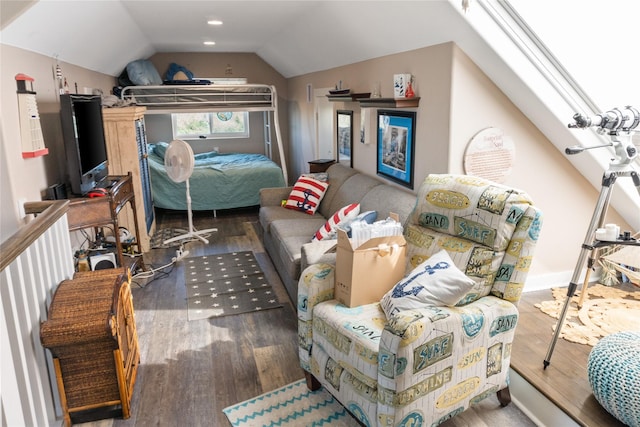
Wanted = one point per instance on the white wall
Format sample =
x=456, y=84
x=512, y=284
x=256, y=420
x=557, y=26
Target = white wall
x=566, y=198
x=27, y=179
x=457, y=100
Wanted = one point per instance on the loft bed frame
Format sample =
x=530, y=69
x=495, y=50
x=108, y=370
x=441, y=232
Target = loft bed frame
x=171, y=98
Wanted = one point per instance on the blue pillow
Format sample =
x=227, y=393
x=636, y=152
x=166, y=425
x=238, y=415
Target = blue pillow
x=142, y=73
x=174, y=69
x=159, y=148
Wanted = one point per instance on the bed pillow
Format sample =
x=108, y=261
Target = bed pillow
x=178, y=72
x=343, y=216
x=306, y=195
x=143, y=73
x=435, y=282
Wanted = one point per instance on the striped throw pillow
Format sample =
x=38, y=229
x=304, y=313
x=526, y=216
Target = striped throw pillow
x=343, y=216
x=306, y=195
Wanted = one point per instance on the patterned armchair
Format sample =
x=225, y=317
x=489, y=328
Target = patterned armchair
x=425, y=365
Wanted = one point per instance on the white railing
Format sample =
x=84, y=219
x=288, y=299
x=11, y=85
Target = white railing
x=33, y=261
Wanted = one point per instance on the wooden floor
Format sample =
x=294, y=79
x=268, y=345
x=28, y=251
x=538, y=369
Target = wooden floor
x=564, y=381
x=191, y=370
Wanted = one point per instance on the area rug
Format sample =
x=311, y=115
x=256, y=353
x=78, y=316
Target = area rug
x=160, y=236
x=226, y=284
x=606, y=310
x=291, y=405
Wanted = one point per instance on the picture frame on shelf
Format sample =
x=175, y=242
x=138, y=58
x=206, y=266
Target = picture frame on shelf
x=344, y=136
x=396, y=146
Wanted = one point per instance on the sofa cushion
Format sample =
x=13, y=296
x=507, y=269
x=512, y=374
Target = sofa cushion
x=386, y=199
x=338, y=174
x=289, y=236
x=352, y=191
x=269, y=214
x=470, y=207
x=306, y=194
x=351, y=337
x=342, y=217
x=436, y=282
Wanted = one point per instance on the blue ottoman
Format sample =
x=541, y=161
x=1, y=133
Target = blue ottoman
x=614, y=375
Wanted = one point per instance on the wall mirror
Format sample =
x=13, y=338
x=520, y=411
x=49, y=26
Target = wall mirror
x=345, y=136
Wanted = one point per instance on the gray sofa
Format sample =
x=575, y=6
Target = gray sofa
x=287, y=233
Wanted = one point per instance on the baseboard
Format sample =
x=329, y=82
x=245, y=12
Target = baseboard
x=554, y=280
x=535, y=405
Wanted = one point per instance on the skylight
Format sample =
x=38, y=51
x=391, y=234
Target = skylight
x=595, y=41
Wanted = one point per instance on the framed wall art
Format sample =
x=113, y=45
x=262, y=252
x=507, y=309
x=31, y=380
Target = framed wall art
x=396, y=146
x=344, y=137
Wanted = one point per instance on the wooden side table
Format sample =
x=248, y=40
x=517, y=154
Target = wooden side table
x=320, y=165
x=101, y=211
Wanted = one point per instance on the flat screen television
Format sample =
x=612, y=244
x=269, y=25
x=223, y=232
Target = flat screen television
x=85, y=145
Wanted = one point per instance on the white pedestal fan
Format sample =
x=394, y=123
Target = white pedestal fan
x=179, y=161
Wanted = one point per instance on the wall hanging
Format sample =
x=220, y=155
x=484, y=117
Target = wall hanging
x=30, y=129
x=490, y=154
x=396, y=143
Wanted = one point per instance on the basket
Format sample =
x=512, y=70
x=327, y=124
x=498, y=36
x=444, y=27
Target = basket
x=85, y=337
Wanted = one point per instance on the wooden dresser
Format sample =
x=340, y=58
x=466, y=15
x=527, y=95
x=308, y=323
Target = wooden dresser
x=91, y=333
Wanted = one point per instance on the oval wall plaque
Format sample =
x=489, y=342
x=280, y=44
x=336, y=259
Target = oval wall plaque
x=490, y=155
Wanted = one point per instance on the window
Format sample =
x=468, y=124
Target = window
x=594, y=41
x=210, y=125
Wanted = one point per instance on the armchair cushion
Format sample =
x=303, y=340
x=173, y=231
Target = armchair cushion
x=350, y=337
x=436, y=282
x=471, y=208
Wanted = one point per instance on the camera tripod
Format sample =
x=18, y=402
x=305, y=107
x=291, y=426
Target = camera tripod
x=621, y=166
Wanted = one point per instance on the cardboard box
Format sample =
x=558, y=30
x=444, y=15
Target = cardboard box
x=364, y=274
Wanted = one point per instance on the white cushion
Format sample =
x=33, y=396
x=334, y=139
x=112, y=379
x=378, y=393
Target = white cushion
x=435, y=282
x=343, y=216
x=306, y=195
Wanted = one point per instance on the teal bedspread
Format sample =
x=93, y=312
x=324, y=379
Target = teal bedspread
x=219, y=181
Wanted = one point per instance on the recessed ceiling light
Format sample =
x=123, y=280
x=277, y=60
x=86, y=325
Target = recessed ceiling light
x=214, y=22
x=209, y=43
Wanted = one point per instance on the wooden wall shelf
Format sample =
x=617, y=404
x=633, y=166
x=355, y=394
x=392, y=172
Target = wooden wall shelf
x=389, y=102
x=349, y=97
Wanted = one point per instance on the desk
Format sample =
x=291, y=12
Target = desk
x=100, y=211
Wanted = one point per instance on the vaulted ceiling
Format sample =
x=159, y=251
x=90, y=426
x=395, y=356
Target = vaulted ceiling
x=295, y=37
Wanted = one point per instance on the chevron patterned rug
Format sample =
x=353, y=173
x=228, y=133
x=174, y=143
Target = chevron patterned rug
x=291, y=405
